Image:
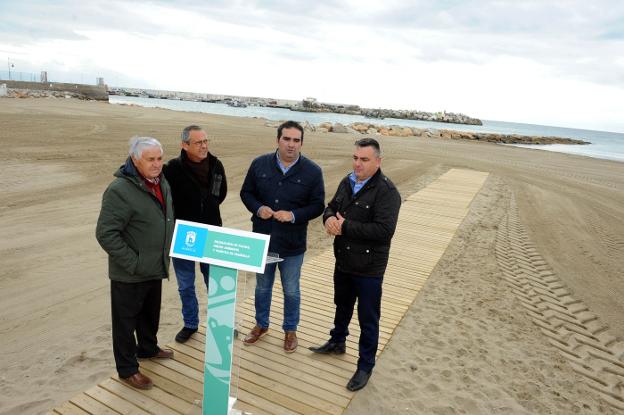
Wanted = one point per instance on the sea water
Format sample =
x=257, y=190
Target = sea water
x=604, y=145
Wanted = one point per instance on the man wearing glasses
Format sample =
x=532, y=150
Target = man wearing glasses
x=198, y=187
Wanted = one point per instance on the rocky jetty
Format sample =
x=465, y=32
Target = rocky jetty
x=21, y=89
x=27, y=93
x=311, y=105
x=442, y=116
x=497, y=138
x=443, y=134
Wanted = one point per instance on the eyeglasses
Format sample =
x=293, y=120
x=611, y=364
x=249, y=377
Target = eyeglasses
x=200, y=143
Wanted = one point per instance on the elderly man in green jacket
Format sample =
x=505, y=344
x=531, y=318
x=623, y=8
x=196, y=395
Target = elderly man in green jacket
x=135, y=228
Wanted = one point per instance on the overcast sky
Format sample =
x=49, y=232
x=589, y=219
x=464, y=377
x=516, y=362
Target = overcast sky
x=543, y=62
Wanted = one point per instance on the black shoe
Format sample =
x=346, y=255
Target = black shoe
x=184, y=334
x=329, y=347
x=359, y=380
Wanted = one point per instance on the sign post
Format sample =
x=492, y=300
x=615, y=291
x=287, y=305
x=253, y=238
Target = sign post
x=227, y=250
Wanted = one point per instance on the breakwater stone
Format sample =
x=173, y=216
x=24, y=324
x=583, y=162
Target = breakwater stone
x=19, y=89
x=360, y=128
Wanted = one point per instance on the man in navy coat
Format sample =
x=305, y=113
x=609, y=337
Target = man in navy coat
x=283, y=190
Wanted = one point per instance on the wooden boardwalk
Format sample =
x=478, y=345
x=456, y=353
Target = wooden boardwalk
x=265, y=379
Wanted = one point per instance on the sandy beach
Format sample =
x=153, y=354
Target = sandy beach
x=468, y=345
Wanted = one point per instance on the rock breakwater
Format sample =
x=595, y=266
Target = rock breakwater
x=20, y=89
x=441, y=116
x=443, y=134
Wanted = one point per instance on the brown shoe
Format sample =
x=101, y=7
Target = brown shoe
x=162, y=354
x=139, y=381
x=290, y=341
x=254, y=335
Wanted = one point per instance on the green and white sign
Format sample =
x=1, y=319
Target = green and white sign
x=225, y=247
x=227, y=250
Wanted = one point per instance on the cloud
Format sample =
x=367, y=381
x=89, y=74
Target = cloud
x=466, y=56
x=28, y=21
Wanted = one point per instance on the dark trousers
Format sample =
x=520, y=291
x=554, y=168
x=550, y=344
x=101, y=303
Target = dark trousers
x=367, y=291
x=135, y=307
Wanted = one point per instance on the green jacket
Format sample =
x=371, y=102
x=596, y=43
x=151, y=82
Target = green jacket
x=133, y=228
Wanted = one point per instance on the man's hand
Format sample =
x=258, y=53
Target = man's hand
x=283, y=216
x=265, y=212
x=333, y=225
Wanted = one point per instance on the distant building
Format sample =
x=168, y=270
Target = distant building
x=99, y=82
x=309, y=102
x=44, y=77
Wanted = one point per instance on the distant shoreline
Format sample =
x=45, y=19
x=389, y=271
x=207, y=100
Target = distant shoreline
x=604, y=145
x=365, y=127
x=305, y=105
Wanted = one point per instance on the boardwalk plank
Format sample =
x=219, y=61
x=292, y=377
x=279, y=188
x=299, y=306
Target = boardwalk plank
x=173, y=376
x=91, y=405
x=114, y=402
x=173, y=388
x=137, y=397
x=254, y=401
x=69, y=408
x=282, y=395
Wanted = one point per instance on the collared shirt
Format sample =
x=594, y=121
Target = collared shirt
x=284, y=170
x=154, y=186
x=281, y=165
x=355, y=185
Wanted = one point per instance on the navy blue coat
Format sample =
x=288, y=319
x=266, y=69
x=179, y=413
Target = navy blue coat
x=301, y=191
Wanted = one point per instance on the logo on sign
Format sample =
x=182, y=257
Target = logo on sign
x=191, y=236
x=190, y=240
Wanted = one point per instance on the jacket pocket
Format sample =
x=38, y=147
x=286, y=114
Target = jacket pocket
x=149, y=264
x=298, y=190
x=264, y=187
x=361, y=210
x=217, y=179
x=353, y=257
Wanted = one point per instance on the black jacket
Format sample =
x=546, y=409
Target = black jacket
x=191, y=201
x=301, y=191
x=370, y=221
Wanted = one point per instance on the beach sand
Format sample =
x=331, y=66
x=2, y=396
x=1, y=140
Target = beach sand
x=468, y=345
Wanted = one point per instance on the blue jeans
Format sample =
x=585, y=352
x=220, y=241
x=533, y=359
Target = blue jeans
x=185, y=274
x=367, y=291
x=290, y=271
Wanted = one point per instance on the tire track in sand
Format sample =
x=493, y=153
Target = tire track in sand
x=568, y=324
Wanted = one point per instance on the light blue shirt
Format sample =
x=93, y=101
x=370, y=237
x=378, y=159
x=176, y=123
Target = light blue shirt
x=355, y=185
x=284, y=170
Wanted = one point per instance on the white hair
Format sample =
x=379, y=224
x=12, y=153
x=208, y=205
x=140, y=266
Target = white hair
x=138, y=144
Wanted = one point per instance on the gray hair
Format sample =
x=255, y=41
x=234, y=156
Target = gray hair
x=138, y=144
x=187, y=132
x=370, y=142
